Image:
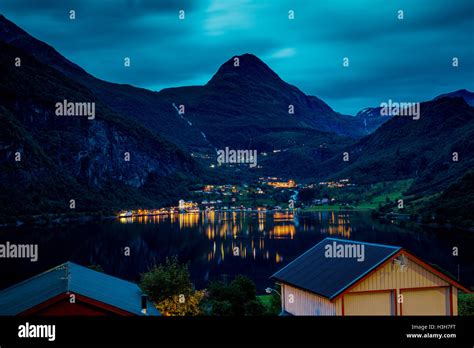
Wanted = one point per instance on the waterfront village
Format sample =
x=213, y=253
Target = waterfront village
x=266, y=194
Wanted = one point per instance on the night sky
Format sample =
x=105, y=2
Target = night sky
x=403, y=60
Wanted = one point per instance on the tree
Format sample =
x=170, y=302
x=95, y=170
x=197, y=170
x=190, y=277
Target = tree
x=169, y=287
x=466, y=304
x=182, y=305
x=222, y=308
x=243, y=291
x=235, y=299
x=254, y=308
x=274, y=307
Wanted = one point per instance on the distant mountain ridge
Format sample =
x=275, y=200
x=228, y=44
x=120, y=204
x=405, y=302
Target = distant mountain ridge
x=47, y=160
x=372, y=118
x=243, y=106
x=406, y=148
x=462, y=93
x=140, y=104
x=154, y=109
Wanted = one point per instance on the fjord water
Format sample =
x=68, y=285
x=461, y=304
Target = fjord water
x=219, y=246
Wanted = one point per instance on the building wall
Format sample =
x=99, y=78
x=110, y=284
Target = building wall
x=434, y=299
x=455, y=300
x=425, y=302
x=61, y=306
x=370, y=303
x=299, y=302
x=338, y=303
x=413, y=276
x=389, y=277
x=65, y=308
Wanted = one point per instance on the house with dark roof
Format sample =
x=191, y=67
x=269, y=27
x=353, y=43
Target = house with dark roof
x=346, y=277
x=71, y=289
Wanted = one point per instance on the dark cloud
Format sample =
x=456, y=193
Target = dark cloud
x=389, y=58
x=115, y=7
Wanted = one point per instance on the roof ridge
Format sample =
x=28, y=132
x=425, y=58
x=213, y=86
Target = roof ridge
x=365, y=243
x=381, y=252
x=104, y=274
x=397, y=248
x=55, y=268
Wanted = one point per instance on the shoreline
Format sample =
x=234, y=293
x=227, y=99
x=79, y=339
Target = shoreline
x=329, y=208
x=59, y=219
x=54, y=219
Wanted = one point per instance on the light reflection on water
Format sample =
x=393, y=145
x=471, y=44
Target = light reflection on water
x=225, y=228
x=221, y=245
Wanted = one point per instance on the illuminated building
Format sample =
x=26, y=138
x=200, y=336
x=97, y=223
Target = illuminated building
x=282, y=184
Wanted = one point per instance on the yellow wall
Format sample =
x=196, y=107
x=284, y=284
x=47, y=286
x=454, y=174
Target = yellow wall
x=412, y=276
x=299, y=302
x=369, y=303
x=389, y=277
x=426, y=302
x=338, y=303
x=455, y=300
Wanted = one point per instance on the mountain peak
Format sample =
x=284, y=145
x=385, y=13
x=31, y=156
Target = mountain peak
x=468, y=96
x=246, y=59
x=245, y=67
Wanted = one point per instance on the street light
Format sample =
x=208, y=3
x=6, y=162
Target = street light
x=270, y=290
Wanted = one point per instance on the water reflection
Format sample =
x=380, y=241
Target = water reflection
x=221, y=245
x=219, y=227
x=339, y=224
